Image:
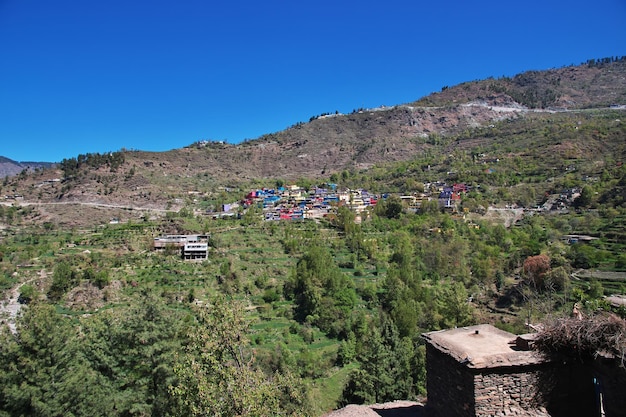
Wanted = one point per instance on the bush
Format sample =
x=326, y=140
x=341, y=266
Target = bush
x=271, y=295
x=620, y=262
x=535, y=269
x=27, y=294
x=102, y=279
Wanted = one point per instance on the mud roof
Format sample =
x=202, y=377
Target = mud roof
x=483, y=346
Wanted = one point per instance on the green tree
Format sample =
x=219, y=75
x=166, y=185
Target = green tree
x=344, y=219
x=391, y=208
x=585, y=197
x=63, y=278
x=429, y=207
x=101, y=279
x=134, y=350
x=253, y=215
x=557, y=278
x=385, y=371
x=347, y=350
x=43, y=371
x=457, y=310
x=28, y=293
x=596, y=290
x=406, y=312
x=216, y=373
x=499, y=280
x=323, y=295
x=620, y=262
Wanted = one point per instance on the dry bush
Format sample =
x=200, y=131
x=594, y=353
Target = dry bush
x=585, y=337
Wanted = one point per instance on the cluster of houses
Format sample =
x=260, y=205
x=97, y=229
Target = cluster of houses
x=295, y=203
x=563, y=200
x=449, y=196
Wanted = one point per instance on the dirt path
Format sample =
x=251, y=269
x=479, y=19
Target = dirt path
x=84, y=203
x=10, y=308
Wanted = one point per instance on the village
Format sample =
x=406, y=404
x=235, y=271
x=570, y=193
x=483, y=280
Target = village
x=296, y=203
x=292, y=202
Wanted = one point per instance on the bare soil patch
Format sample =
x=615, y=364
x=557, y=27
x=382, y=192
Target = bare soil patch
x=391, y=409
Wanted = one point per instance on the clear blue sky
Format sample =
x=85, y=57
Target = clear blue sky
x=82, y=76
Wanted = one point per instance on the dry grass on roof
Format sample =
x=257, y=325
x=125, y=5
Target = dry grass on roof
x=586, y=337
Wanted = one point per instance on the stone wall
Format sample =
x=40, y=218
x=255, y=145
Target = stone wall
x=567, y=388
x=557, y=388
x=449, y=384
x=510, y=392
x=575, y=387
x=479, y=372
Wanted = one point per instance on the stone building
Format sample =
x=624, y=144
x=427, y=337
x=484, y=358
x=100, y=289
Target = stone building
x=483, y=371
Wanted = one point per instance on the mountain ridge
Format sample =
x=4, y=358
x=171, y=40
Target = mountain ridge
x=461, y=118
x=595, y=83
x=9, y=167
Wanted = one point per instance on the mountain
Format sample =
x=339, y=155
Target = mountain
x=564, y=114
x=332, y=143
x=529, y=171
x=9, y=168
x=595, y=84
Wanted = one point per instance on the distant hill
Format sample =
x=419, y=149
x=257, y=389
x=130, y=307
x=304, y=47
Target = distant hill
x=553, y=116
x=333, y=143
x=9, y=168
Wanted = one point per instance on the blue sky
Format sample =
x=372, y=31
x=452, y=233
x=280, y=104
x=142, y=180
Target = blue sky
x=96, y=76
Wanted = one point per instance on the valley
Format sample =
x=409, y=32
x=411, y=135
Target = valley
x=495, y=201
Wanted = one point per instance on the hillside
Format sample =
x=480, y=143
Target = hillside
x=480, y=209
x=470, y=117
x=597, y=83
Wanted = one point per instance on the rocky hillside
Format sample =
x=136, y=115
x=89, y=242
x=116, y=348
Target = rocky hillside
x=598, y=83
x=353, y=141
x=347, y=142
x=333, y=143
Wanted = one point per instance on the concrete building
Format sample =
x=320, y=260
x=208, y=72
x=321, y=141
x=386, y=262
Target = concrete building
x=196, y=251
x=190, y=246
x=162, y=242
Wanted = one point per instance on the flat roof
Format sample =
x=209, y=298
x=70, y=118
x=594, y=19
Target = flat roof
x=482, y=346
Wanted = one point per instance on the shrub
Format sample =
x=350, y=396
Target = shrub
x=27, y=294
